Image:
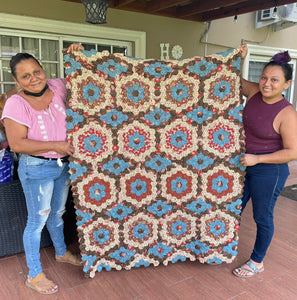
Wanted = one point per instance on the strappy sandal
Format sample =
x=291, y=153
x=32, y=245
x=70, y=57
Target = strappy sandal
x=70, y=258
x=42, y=285
x=253, y=270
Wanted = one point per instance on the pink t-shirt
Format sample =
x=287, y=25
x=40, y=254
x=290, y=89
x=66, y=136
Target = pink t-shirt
x=43, y=125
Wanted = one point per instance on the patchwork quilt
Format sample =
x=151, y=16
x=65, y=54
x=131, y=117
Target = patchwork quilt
x=156, y=176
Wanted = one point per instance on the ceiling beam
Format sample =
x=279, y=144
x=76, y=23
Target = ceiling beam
x=157, y=5
x=242, y=8
x=201, y=6
x=120, y=3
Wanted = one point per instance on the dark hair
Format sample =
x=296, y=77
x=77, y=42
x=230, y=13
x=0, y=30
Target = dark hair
x=281, y=60
x=16, y=59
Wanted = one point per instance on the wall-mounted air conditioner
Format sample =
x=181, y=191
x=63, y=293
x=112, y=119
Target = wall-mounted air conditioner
x=285, y=16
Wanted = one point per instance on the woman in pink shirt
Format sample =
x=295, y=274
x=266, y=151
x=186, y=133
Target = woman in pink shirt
x=35, y=126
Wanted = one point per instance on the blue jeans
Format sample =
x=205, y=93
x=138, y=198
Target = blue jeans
x=46, y=187
x=263, y=184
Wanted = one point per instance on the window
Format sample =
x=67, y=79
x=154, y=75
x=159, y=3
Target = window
x=18, y=34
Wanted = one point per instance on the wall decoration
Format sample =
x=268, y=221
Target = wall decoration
x=156, y=176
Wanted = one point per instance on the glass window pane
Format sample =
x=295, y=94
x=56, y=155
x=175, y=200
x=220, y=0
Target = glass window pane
x=89, y=46
x=51, y=70
x=9, y=45
x=8, y=87
x=119, y=50
x=49, y=50
x=31, y=46
x=104, y=47
x=6, y=71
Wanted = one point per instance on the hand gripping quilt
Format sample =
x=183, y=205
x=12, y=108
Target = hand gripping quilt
x=156, y=176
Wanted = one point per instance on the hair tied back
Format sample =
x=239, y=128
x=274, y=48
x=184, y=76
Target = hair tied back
x=281, y=58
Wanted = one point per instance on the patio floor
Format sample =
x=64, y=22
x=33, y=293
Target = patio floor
x=183, y=280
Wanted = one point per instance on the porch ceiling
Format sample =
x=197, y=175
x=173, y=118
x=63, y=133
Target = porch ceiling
x=194, y=10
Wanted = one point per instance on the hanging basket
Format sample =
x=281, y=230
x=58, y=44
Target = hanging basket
x=96, y=10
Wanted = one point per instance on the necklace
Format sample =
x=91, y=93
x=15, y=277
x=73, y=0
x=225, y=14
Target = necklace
x=36, y=94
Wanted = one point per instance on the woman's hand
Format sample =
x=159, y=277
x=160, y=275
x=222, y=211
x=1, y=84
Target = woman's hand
x=243, y=51
x=75, y=47
x=64, y=148
x=248, y=160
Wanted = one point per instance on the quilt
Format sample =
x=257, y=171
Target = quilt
x=156, y=176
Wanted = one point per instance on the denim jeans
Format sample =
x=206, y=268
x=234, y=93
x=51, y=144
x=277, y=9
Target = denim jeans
x=263, y=184
x=46, y=187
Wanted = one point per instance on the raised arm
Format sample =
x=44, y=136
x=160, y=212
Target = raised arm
x=248, y=88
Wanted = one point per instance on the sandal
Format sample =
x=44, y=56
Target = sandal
x=69, y=258
x=42, y=285
x=253, y=270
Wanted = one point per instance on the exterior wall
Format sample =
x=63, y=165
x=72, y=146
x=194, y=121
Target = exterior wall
x=158, y=29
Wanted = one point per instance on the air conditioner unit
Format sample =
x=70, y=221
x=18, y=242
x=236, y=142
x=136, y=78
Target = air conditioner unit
x=266, y=17
x=267, y=14
x=285, y=16
x=288, y=16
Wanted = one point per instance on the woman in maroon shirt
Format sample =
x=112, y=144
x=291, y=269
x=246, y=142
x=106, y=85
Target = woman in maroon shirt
x=270, y=124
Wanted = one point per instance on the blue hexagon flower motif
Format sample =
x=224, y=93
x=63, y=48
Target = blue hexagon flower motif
x=179, y=92
x=93, y=143
x=236, y=113
x=74, y=65
x=85, y=217
x=200, y=161
x=179, y=185
x=138, y=187
x=101, y=236
x=135, y=93
x=158, y=69
x=136, y=141
x=221, y=137
x=159, y=208
x=179, y=139
x=97, y=191
x=103, y=266
x=203, y=206
x=95, y=92
x=116, y=166
x=203, y=67
x=179, y=227
x=229, y=248
x=217, y=227
x=233, y=206
x=158, y=163
x=142, y=263
x=112, y=68
x=79, y=170
x=89, y=53
x=226, y=53
x=220, y=184
x=197, y=247
x=76, y=118
x=236, y=162
x=178, y=257
x=157, y=116
x=114, y=118
x=200, y=114
x=214, y=260
x=119, y=212
x=222, y=89
x=160, y=250
x=122, y=254
x=89, y=259
x=237, y=63
x=140, y=231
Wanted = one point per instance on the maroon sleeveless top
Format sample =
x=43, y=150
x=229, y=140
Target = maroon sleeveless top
x=258, y=117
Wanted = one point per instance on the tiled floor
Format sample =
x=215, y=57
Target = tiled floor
x=188, y=280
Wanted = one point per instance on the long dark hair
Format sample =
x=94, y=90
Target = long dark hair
x=281, y=60
x=16, y=59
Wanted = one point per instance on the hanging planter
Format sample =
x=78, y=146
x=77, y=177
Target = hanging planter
x=96, y=10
